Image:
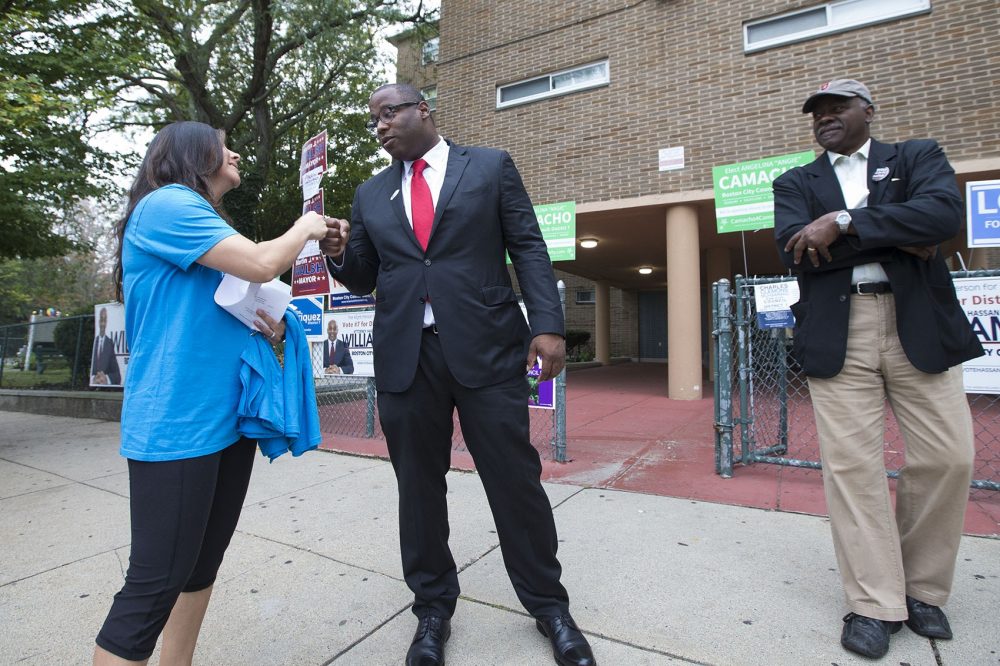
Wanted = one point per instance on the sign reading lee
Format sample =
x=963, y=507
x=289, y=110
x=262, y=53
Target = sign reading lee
x=743, y=197
x=983, y=210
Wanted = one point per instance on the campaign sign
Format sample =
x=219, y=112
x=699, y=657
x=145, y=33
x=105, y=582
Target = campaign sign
x=980, y=298
x=744, y=200
x=310, y=313
x=345, y=347
x=313, y=157
x=110, y=354
x=983, y=211
x=773, y=301
x=540, y=394
x=341, y=298
x=309, y=274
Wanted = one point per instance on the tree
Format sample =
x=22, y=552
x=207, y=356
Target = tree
x=70, y=283
x=270, y=74
x=54, y=67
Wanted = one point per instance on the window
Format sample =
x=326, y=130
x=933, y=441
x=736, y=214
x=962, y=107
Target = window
x=824, y=20
x=585, y=296
x=430, y=93
x=551, y=85
x=429, y=52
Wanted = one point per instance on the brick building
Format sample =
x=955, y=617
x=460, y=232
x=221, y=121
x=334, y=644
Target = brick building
x=585, y=94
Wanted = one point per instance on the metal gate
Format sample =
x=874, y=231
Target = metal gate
x=763, y=413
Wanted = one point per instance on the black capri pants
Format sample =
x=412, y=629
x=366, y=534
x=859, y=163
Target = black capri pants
x=184, y=514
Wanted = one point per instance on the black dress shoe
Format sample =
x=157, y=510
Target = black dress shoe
x=867, y=636
x=927, y=620
x=427, y=648
x=569, y=646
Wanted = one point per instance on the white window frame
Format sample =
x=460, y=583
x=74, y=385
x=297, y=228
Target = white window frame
x=590, y=294
x=878, y=11
x=555, y=92
x=430, y=51
x=431, y=99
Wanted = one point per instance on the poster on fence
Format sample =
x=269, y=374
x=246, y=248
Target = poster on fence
x=773, y=301
x=345, y=346
x=109, y=356
x=980, y=298
x=339, y=297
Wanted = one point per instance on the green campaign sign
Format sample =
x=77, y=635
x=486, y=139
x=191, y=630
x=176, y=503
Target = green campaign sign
x=743, y=197
x=558, y=224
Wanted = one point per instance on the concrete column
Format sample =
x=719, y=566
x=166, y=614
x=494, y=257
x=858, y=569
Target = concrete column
x=602, y=322
x=683, y=304
x=718, y=265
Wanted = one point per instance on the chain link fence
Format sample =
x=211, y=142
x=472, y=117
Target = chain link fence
x=763, y=413
x=56, y=354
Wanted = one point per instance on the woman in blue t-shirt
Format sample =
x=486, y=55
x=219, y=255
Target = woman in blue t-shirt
x=188, y=468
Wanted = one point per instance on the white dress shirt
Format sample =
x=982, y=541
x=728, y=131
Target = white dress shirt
x=437, y=163
x=852, y=172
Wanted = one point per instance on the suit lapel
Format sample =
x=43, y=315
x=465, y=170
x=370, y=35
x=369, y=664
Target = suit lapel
x=824, y=184
x=880, y=156
x=392, y=191
x=458, y=159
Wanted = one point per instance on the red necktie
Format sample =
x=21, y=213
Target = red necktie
x=421, y=204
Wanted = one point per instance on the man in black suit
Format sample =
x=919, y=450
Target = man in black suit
x=103, y=361
x=429, y=233
x=878, y=318
x=336, y=354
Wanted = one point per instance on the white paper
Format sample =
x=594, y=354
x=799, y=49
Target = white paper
x=242, y=299
x=310, y=183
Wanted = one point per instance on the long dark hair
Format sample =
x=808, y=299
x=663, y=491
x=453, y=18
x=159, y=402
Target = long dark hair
x=186, y=153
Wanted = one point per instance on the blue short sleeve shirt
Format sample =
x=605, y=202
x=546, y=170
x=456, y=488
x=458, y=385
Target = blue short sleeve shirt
x=182, y=386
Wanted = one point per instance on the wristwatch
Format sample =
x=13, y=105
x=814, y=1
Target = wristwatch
x=843, y=221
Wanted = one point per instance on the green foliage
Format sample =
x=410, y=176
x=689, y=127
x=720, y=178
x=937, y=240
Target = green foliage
x=66, y=336
x=55, y=69
x=577, y=347
x=270, y=75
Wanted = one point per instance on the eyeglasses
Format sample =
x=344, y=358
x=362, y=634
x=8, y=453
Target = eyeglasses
x=387, y=113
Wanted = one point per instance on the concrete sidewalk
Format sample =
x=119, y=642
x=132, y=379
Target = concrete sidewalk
x=313, y=575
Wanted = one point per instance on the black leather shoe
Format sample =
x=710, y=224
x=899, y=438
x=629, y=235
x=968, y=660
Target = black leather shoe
x=927, y=620
x=569, y=646
x=427, y=649
x=867, y=636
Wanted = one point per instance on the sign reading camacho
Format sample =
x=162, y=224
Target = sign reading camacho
x=743, y=197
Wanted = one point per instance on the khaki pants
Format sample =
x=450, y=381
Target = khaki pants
x=882, y=558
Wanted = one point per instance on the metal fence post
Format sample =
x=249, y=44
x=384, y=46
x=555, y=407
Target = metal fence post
x=560, y=397
x=723, y=333
x=3, y=353
x=743, y=368
x=781, y=349
x=370, y=407
x=76, y=356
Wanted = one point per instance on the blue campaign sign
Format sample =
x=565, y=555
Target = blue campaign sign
x=983, y=208
x=310, y=312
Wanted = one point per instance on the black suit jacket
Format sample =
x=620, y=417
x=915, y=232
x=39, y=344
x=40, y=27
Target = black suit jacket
x=916, y=203
x=482, y=211
x=104, y=360
x=341, y=356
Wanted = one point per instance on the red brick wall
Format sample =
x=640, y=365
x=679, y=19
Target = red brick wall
x=679, y=77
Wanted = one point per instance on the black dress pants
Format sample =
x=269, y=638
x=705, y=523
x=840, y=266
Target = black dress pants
x=418, y=425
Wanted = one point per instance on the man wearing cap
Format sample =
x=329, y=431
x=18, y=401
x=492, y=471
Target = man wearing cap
x=878, y=318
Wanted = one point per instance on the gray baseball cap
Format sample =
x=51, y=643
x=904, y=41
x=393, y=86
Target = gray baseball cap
x=839, y=88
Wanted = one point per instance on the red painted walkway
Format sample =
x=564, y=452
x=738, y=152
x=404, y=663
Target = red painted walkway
x=624, y=433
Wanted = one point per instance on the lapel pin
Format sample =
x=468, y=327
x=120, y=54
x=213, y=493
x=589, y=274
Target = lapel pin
x=393, y=195
x=880, y=173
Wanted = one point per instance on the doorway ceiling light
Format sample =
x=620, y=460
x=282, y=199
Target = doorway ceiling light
x=645, y=270
x=588, y=242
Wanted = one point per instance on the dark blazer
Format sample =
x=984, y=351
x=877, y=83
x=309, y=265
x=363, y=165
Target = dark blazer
x=482, y=211
x=104, y=360
x=916, y=203
x=341, y=356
